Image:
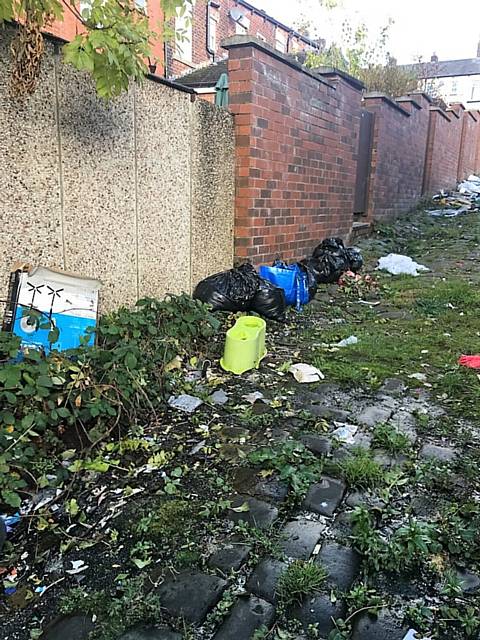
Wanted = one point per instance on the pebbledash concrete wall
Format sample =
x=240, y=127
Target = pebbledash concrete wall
x=296, y=147
x=399, y=146
x=138, y=192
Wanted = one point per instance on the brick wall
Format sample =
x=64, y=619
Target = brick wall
x=477, y=163
x=443, y=149
x=398, y=153
x=296, y=146
x=260, y=25
x=467, y=163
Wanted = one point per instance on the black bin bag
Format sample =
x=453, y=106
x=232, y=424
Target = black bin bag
x=231, y=290
x=269, y=301
x=355, y=259
x=332, y=260
x=334, y=246
x=309, y=268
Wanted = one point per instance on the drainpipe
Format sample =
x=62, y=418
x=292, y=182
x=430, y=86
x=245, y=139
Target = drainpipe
x=210, y=5
x=289, y=40
x=165, y=59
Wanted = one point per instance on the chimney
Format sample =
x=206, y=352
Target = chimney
x=434, y=57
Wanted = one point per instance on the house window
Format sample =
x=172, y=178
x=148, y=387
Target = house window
x=454, y=87
x=280, y=40
x=476, y=90
x=212, y=29
x=184, y=32
x=85, y=5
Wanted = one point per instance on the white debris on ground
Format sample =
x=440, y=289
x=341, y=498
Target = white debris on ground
x=397, y=264
x=347, y=342
x=471, y=185
x=306, y=373
x=185, y=403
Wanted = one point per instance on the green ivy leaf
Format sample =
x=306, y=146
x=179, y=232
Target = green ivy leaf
x=130, y=361
x=11, y=498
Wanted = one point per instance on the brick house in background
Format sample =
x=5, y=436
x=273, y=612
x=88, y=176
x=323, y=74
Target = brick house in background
x=212, y=21
x=71, y=26
x=453, y=80
x=203, y=28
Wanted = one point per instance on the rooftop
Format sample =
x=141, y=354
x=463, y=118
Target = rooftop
x=276, y=22
x=445, y=68
x=207, y=76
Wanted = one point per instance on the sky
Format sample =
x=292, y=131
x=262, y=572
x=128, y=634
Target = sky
x=421, y=27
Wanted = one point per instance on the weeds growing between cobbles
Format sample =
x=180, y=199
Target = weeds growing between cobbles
x=139, y=491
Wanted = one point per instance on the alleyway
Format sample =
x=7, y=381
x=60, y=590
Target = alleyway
x=303, y=510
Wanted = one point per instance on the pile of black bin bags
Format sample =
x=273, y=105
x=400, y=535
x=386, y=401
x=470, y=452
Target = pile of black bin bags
x=242, y=289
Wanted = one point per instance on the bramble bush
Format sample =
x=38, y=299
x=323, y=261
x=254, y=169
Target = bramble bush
x=56, y=402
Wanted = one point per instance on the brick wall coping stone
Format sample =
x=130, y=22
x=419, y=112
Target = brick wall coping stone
x=441, y=112
x=330, y=72
x=372, y=95
x=452, y=111
x=247, y=40
x=423, y=95
x=408, y=99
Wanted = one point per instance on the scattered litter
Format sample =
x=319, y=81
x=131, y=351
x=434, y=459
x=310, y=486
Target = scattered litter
x=421, y=377
x=185, y=403
x=10, y=521
x=219, y=397
x=454, y=203
x=415, y=635
x=472, y=362
x=198, y=447
x=345, y=432
x=244, y=508
x=40, y=590
x=174, y=364
x=448, y=213
x=55, y=565
x=10, y=582
x=44, y=497
x=305, y=373
x=254, y=397
x=77, y=567
x=397, y=264
x=347, y=342
x=470, y=186
x=67, y=304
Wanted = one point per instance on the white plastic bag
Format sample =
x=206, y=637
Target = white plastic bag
x=397, y=264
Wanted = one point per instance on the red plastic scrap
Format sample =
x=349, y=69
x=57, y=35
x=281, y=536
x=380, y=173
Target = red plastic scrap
x=473, y=362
